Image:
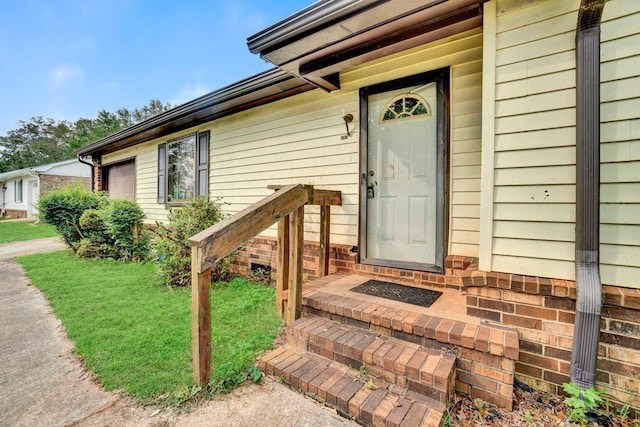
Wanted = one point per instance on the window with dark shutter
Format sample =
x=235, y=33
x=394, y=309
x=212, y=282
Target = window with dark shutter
x=203, y=164
x=183, y=168
x=162, y=173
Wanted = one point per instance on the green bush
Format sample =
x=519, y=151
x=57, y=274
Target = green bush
x=63, y=208
x=95, y=227
x=171, y=249
x=123, y=223
x=95, y=242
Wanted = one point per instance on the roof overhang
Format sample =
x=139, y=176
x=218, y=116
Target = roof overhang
x=258, y=90
x=37, y=170
x=329, y=36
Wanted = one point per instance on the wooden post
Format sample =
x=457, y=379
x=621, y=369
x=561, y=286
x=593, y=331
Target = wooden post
x=296, y=260
x=282, y=276
x=325, y=233
x=200, y=319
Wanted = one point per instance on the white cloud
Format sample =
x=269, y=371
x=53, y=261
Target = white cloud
x=63, y=73
x=189, y=92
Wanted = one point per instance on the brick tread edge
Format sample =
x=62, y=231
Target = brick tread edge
x=374, y=402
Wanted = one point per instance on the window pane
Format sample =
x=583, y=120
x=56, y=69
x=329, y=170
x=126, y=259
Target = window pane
x=18, y=191
x=181, y=169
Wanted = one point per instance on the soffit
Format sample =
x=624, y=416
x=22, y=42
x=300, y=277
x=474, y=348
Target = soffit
x=359, y=32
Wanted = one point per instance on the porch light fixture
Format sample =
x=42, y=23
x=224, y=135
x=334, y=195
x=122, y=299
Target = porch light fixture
x=348, y=118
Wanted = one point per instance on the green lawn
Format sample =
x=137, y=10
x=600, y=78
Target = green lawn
x=16, y=231
x=135, y=335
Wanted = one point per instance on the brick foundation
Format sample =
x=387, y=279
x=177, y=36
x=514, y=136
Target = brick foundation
x=543, y=311
x=262, y=251
x=15, y=213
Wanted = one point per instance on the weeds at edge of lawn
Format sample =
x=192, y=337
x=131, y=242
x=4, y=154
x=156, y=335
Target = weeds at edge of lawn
x=18, y=231
x=136, y=336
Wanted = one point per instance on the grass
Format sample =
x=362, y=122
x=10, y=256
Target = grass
x=136, y=336
x=17, y=231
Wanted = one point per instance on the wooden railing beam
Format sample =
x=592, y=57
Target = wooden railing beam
x=282, y=274
x=222, y=238
x=325, y=233
x=200, y=319
x=296, y=262
x=325, y=199
x=320, y=197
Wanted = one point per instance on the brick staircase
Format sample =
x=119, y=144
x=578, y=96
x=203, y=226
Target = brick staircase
x=409, y=384
x=384, y=366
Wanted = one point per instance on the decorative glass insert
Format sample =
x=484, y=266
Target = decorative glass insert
x=405, y=106
x=181, y=169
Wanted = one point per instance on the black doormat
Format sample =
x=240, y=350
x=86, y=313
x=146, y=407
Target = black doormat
x=408, y=294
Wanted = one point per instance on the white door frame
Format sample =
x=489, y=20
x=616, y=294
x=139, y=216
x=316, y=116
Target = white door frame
x=441, y=78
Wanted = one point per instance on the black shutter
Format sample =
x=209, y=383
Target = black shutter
x=162, y=173
x=203, y=164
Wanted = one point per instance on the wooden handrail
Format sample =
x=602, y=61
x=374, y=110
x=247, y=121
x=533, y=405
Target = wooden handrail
x=216, y=242
x=325, y=199
x=221, y=239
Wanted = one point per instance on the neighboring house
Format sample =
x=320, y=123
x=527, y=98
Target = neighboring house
x=450, y=128
x=22, y=188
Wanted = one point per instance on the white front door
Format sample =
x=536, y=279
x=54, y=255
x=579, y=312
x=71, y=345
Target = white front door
x=402, y=178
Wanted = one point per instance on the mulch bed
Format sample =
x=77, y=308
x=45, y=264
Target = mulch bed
x=407, y=294
x=531, y=408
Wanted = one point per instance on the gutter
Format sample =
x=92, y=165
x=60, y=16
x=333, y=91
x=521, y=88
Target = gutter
x=586, y=335
x=308, y=20
x=252, y=87
x=91, y=168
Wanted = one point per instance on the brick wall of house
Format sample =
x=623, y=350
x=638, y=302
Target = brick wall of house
x=97, y=174
x=262, y=251
x=49, y=183
x=15, y=213
x=542, y=310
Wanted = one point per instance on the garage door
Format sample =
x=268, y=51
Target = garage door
x=121, y=181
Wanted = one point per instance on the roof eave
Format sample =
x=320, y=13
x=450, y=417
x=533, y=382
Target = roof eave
x=330, y=36
x=256, y=90
x=310, y=19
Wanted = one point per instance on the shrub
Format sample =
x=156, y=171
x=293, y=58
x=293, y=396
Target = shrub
x=63, y=208
x=123, y=223
x=95, y=242
x=171, y=247
x=95, y=227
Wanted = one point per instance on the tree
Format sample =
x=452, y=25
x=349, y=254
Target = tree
x=41, y=140
x=35, y=142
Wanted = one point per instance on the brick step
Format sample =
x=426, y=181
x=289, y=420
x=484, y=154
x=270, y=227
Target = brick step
x=487, y=353
x=370, y=401
x=408, y=365
x=411, y=326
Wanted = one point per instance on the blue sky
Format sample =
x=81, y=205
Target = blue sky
x=67, y=59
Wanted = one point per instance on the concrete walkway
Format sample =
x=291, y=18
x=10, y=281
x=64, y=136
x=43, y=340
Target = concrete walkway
x=43, y=384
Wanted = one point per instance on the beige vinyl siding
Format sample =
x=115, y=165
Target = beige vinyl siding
x=296, y=140
x=534, y=161
x=620, y=148
x=463, y=53
x=299, y=139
